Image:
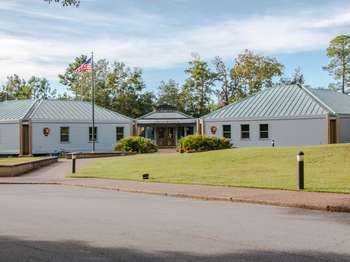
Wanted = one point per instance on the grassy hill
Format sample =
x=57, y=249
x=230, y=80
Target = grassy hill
x=327, y=168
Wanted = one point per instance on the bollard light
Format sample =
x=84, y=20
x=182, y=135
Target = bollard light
x=300, y=161
x=74, y=158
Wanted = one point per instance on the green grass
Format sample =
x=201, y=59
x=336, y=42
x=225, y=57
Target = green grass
x=17, y=160
x=327, y=168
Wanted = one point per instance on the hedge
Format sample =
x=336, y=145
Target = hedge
x=198, y=143
x=136, y=144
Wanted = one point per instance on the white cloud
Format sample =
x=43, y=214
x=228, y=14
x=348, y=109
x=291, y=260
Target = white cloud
x=271, y=34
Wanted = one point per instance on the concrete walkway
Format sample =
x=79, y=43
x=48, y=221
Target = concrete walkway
x=56, y=174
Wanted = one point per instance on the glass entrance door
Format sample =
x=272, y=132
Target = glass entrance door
x=171, y=136
x=166, y=136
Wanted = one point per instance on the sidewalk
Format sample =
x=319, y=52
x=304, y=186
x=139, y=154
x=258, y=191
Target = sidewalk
x=56, y=173
x=310, y=200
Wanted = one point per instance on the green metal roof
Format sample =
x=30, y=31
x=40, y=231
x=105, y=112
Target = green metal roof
x=284, y=102
x=15, y=110
x=59, y=110
x=339, y=103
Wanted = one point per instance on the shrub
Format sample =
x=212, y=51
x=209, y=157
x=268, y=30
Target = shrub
x=136, y=144
x=198, y=143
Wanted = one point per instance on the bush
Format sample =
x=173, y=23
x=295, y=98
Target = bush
x=136, y=144
x=198, y=143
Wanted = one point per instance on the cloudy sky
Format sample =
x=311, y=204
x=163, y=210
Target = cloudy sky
x=160, y=35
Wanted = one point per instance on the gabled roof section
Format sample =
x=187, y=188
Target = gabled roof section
x=338, y=102
x=74, y=111
x=276, y=102
x=15, y=110
x=165, y=115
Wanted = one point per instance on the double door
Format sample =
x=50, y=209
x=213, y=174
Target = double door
x=166, y=136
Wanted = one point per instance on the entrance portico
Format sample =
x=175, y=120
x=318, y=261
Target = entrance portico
x=166, y=126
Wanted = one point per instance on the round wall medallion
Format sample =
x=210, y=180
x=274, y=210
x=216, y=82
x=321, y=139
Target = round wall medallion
x=213, y=129
x=46, y=131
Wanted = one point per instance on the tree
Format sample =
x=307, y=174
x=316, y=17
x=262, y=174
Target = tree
x=16, y=88
x=3, y=96
x=117, y=87
x=40, y=88
x=198, y=87
x=65, y=2
x=127, y=91
x=253, y=72
x=339, y=65
x=170, y=94
x=78, y=84
x=35, y=88
x=229, y=88
x=296, y=79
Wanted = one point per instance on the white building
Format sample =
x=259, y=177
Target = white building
x=30, y=127
x=286, y=115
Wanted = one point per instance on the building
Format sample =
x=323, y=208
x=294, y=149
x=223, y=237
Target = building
x=50, y=126
x=166, y=126
x=285, y=116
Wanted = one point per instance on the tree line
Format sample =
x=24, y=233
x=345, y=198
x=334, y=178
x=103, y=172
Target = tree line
x=208, y=85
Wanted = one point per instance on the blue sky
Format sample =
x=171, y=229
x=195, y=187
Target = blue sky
x=160, y=35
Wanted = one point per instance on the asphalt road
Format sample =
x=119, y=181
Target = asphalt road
x=58, y=223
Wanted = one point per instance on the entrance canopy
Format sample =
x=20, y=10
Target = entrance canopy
x=165, y=126
x=165, y=114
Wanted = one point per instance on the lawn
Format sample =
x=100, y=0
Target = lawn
x=327, y=168
x=17, y=160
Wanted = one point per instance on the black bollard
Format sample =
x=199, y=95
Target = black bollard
x=74, y=158
x=300, y=160
x=145, y=176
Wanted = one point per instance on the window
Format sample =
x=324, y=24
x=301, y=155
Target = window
x=90, y=134
x=119, y=133
x=264, y=131
x=226, y=131
x=245, y=134
x=64, y=133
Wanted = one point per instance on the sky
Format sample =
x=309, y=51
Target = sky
x=160, y=36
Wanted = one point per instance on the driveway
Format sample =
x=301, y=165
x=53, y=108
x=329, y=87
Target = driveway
x=56, y=223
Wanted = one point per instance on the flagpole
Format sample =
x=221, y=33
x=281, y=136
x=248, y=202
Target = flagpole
x=93, y=101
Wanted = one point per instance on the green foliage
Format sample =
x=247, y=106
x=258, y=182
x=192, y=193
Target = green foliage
x=229, y=89
x=198, y=143
x=198, y=87
x=40, y=88
x=253, y=72
x=117, y=86
x=339, y=65
x=136, y=144
x=170, y=94
x=18, y=88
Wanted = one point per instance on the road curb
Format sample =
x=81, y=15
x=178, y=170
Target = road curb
x=192, y=196
x=216, y=198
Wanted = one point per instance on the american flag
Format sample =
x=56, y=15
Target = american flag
x=84, y=67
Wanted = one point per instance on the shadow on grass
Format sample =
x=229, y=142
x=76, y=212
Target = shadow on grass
x=14, y=249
